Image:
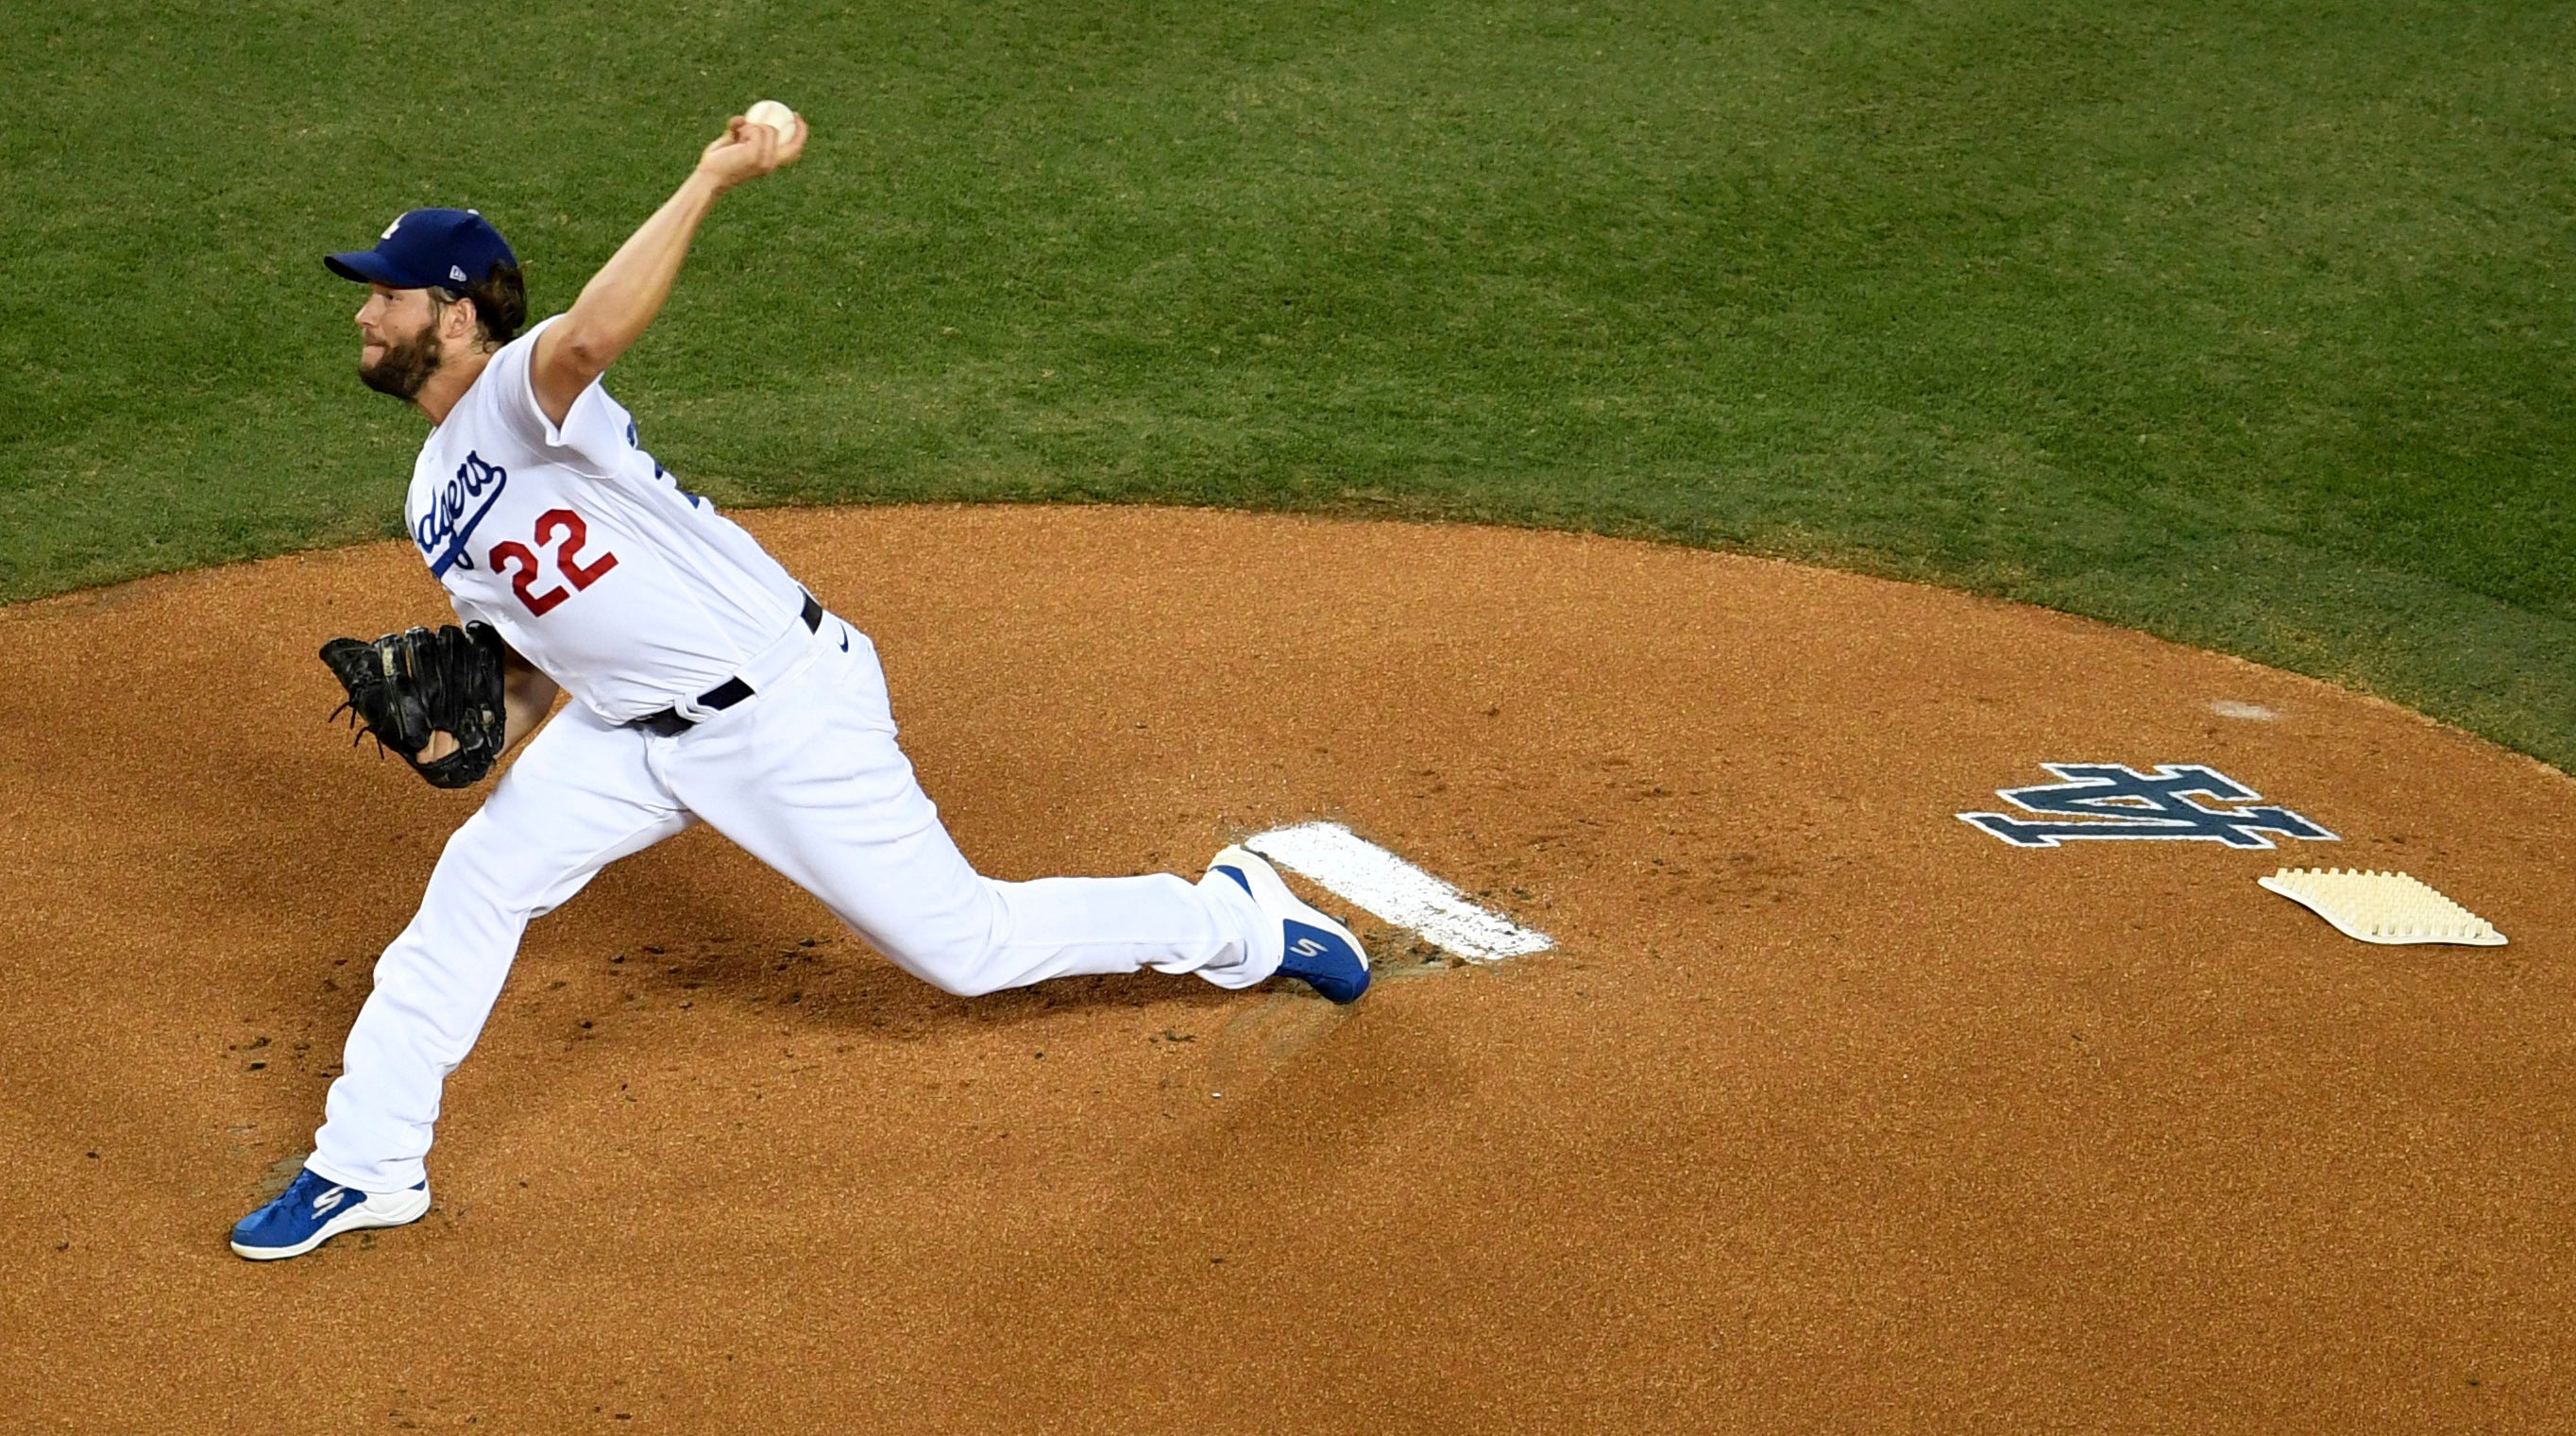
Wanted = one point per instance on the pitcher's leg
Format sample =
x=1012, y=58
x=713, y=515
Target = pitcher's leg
x=580, y=797
x=1012, y=934
x=810, y=780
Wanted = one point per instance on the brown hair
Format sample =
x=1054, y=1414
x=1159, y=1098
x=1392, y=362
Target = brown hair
x=500, y=303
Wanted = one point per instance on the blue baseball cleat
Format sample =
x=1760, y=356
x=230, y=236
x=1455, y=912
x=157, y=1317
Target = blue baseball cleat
x=313, y=1209
x=1321, y=953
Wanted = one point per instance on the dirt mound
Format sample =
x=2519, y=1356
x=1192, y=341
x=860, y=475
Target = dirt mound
x=1830, y=1112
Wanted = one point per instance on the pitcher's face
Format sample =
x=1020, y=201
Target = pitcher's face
x=398, y=344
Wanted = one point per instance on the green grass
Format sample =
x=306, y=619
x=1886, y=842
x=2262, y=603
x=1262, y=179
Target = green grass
x=2244, y=324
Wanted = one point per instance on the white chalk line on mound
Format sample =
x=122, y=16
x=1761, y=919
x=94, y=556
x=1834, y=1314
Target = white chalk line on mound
x=1361, y=872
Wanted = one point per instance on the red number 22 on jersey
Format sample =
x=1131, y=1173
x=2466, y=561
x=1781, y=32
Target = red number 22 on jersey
x=523, y=565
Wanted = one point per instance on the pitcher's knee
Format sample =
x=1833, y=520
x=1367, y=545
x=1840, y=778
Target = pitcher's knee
x=958, y=951
x=960, y=966
x=959, y=972
x=971, y=981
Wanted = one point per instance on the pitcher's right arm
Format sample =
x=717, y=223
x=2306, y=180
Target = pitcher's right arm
x=621, y=299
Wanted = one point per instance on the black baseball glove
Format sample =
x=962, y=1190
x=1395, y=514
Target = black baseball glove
x=408, y=685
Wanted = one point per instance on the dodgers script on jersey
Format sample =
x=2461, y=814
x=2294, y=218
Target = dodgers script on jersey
x=586, y=556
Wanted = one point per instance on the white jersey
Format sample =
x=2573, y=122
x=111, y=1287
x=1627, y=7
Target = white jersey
x=586, y=556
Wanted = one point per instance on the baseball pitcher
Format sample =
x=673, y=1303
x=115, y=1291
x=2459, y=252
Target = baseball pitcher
x=706, y=685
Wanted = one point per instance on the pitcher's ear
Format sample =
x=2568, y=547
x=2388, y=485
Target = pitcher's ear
x=460, y=320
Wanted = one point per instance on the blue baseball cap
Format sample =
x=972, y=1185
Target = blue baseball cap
x=448, y=248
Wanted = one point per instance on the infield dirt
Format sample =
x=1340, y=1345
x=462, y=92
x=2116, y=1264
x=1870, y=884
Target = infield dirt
x=1830, y=1112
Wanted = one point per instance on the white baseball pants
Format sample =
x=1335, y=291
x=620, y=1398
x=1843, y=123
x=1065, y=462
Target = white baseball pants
x=807, y=777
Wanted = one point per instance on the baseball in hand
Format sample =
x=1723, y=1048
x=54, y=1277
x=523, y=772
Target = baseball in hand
x=775, y=115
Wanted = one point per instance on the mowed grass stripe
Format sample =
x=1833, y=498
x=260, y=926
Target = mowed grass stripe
x=2248, y=325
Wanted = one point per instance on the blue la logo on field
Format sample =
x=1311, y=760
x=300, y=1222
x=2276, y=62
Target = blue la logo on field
x=2115, y=801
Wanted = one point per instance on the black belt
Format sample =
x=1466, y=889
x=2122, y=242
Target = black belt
x=669, y=724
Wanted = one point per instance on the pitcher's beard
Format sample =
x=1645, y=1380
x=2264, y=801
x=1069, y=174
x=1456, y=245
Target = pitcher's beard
x=404, y=367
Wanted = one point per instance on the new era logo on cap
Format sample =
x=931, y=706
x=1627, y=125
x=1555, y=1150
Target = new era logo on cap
x=425, y=248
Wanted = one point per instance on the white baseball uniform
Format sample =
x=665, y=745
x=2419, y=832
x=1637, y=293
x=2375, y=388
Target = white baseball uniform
x=639, y=598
